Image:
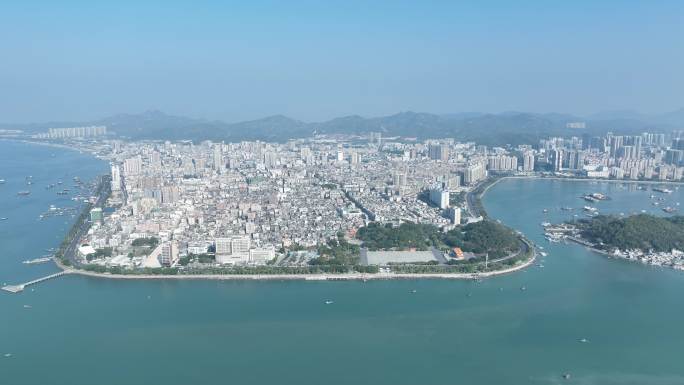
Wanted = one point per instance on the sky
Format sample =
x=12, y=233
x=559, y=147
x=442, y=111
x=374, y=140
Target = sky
x=316, y=60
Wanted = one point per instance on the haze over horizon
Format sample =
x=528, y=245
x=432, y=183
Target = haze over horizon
x=79, y=61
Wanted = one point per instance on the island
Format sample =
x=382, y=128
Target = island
x=645, y=238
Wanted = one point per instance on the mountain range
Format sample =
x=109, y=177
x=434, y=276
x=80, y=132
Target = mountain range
x=484, y=128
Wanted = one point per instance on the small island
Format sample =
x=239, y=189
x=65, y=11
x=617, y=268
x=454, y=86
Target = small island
x=645, y=238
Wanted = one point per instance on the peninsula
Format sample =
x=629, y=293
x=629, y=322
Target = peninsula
x=297, y=211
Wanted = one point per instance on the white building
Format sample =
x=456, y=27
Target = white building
x=455, y=215
x=232, y=249
x=169, y=254
x=440, y=197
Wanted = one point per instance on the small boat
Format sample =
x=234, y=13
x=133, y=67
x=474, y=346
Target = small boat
x=27, y=306
x=37, y=260
x=2, y=181
x=23, y=193
x=566, y=376
x=545, y=224
x=545, y=210
x=523, y=288
x=7, y=355
x=329, y=302
x=3, y=219
x=583, y=340
x=414, y=291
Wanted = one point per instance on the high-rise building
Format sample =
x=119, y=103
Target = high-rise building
x=616, y=143
x=169, y=253
x=556, y=159
x=169, y=194
x=116, y=177
x=439, y=152
x=133, y=166
x=528, y=161
x=454, y=215
x=218, y=157
x=675, y=157
x=474, y=173
x=440, y=197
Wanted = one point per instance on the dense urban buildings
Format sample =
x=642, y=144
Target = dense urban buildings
x=256, y=203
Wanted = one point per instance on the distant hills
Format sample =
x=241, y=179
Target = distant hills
x=489, y=129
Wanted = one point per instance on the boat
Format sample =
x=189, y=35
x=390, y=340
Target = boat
x=545, y=224
x=7, y=355
x=2, y=181
x=3, y=219
x=662, y=190
x=27, y=306
x=37, y=260
x=546, y=210
x=567, y=208
x=414, y=291
x=669, y=209
x=590, y=209
x=599, y=196
x=583, y=340
x=543, y=254
x=329, y=302
x=23, y=193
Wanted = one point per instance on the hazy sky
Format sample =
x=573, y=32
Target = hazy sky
x=74, y=60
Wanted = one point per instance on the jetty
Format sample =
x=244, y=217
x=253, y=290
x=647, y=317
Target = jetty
x=20, y=287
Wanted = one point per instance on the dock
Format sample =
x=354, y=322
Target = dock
x=20, y=287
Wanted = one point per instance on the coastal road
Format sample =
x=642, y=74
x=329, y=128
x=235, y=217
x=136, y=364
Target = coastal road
x=470, y=204
x=71, y=251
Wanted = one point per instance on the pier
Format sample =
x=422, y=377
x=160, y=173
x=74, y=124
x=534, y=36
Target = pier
x=21, y=287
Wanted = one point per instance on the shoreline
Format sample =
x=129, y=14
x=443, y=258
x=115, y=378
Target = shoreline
x=301, y=277
x=577, y=179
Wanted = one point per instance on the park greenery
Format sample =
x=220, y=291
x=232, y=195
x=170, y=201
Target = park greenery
x=643, y=231
x=199, y=258
x=151, y=242
x=480, y=238
x=337, y=252
x=377, y=236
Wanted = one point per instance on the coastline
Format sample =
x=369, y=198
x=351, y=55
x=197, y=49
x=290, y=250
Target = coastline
x=303, y=277
x=577, y=179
